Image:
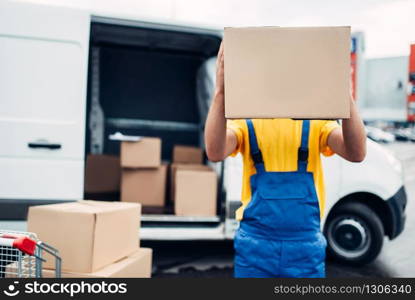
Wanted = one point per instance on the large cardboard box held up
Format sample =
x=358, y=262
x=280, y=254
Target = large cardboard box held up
x=102, y=174
x=137, y=265
x=173, y=169
x=195, y=193
x=277, y=72
x=187, y=154
x=146, y=186
x=88, y=234
x=145, y=153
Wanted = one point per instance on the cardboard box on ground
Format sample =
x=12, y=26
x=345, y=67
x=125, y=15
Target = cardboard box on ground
x=277, y=72
x=89, y=235
x=136, y=265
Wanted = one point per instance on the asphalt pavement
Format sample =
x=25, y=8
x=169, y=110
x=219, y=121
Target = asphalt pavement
x=215, y=259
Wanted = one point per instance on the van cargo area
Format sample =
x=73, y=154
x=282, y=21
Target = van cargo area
x=150, y=81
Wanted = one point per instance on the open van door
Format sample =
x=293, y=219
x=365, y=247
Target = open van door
x=43, y=77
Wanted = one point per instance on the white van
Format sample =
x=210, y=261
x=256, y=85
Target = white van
x=68, y=79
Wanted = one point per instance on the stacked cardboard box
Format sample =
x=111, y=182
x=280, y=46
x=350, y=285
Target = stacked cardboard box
x=102, y=174
x=143, y=177
x=137, y=265
x=187, y=155
x=193, y=186
x=94, y=238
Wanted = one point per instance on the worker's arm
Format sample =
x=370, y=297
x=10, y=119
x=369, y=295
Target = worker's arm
x=349, y=141
x=220, y=142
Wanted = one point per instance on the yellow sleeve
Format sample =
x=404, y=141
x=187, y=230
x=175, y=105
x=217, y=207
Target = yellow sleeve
x=238, y=127
x=326, y=129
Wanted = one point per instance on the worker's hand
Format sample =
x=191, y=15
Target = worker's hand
x=220, y=142
x=220, y=73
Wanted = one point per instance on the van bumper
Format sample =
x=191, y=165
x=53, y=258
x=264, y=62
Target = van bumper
x=396, y=205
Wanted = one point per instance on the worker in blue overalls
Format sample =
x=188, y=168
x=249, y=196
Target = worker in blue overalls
x=283, y=187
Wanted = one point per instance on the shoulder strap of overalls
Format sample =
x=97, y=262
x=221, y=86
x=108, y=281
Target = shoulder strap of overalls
x=255, y=151
x=303, y=150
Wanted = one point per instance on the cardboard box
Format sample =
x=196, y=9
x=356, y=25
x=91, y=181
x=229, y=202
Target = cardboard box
x=187, y=154
x=88, y=234
x=195, y=193
x=146, y=153
x=276, y=72
x=175, y=167
x=145, y=186
x=137, y=265
x=102, y=174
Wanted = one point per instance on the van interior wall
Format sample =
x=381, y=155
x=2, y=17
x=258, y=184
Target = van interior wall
x=147, y=83
x=140, y=84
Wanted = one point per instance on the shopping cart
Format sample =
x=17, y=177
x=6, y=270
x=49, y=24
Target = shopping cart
x=21, y=255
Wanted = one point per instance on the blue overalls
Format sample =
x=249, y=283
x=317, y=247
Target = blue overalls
x=279, y=235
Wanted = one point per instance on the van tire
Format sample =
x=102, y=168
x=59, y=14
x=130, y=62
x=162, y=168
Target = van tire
x=363, y=218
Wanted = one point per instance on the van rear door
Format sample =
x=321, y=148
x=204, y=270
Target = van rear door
x=43, y=77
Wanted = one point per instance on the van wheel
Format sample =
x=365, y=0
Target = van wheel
x=354, y=234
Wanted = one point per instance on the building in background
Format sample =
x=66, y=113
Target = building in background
x=385, y=89
x=381, y=85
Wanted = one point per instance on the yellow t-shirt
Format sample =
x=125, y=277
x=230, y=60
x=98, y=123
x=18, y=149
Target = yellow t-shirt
x=278, y=140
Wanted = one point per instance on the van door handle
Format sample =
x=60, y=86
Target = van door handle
x=44, y=145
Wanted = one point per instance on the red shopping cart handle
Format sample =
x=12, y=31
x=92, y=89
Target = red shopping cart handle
x=25, y=244
x=22, y=243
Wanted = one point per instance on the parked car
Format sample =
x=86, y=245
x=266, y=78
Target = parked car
x=67, y=83
x=402, y=135
x=379, y=135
